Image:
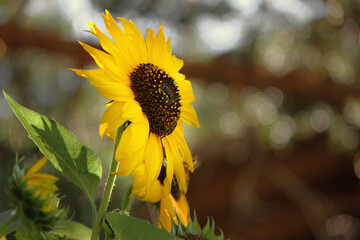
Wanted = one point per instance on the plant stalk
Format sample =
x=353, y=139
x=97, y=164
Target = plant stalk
x=108, y=186
x=126, y=205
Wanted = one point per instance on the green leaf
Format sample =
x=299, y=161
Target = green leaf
x=68, y=155
x=74, y=230
x=8, y=222
x=129, y=228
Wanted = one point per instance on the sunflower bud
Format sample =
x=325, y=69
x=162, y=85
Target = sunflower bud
x=35, y=197
x=193, y=230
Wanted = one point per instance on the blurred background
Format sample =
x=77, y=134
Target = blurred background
x=277, y=92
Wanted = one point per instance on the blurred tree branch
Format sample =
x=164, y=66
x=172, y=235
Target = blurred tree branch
x=17, y=37
x=304, y=86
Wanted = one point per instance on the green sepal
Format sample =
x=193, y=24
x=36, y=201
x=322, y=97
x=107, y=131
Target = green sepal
x=194, y=229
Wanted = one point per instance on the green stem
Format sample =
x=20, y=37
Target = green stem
x=93, y=211
x=108, y=187
x=108, y=236
x=126, y=205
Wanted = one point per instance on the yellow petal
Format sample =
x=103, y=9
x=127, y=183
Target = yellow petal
x=134, y=137
x=186, y=91
x=184, y=149
x=170, y=159
x=182, y=208
x=150, y=39
x=108, y=63
x=105, y=85
x=111, y=134
x=44, y=177
x=138, y=186
x=160, y=53
x=188, y=114
x=127, y=165
x=112, y=119
x=154, y=194
x=108, y=45
x=138, y=48
x=153, y=160
x=121, y=41
x=168, y=207
x=173, y=64
x=178, y=164
x=37, y=166
x=132, y=111
x=166, y=211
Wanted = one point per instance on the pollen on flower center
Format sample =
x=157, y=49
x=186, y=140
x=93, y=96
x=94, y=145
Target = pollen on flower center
x=158, y=97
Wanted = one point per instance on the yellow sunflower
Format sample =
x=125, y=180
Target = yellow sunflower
x=171, y=205
x=142, y=79
x=35, y=196
x=43, y=184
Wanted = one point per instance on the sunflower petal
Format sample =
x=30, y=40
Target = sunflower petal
x=105, y=85
x=182, y=208
x=111, y=119
x=127, y=165
x=135, y=37
x=168, y=207
x=170, y=159
x=178, y=165
x=186, y=91
x=166, y=211
x=36, y=167
x=154, y=194
x=107, y=62
x=108, y=45
x=188, y=114
x=184, y=149
x=121, y=42
x=138, y=186
x=153, y=160
x=173, y=63
x=132, y=111
x=150, y=39
x=133, y=138
x=160, y=50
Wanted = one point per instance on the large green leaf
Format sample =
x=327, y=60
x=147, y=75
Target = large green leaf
x=67, y=154
x=74, y=230
x=8, y=222
x=129, y=228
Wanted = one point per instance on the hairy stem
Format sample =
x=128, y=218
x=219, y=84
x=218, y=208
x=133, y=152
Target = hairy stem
x=108, y=187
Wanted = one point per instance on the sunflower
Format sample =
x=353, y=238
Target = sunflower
x=173, y=205
x=142, y=80
x=43, y=184
x=35, y=197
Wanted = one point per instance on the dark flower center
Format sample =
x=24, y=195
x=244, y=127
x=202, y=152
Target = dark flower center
x=158, y=97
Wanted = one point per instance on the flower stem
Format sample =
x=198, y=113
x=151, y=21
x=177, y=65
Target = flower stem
x=108, y=186
x=126, y=205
